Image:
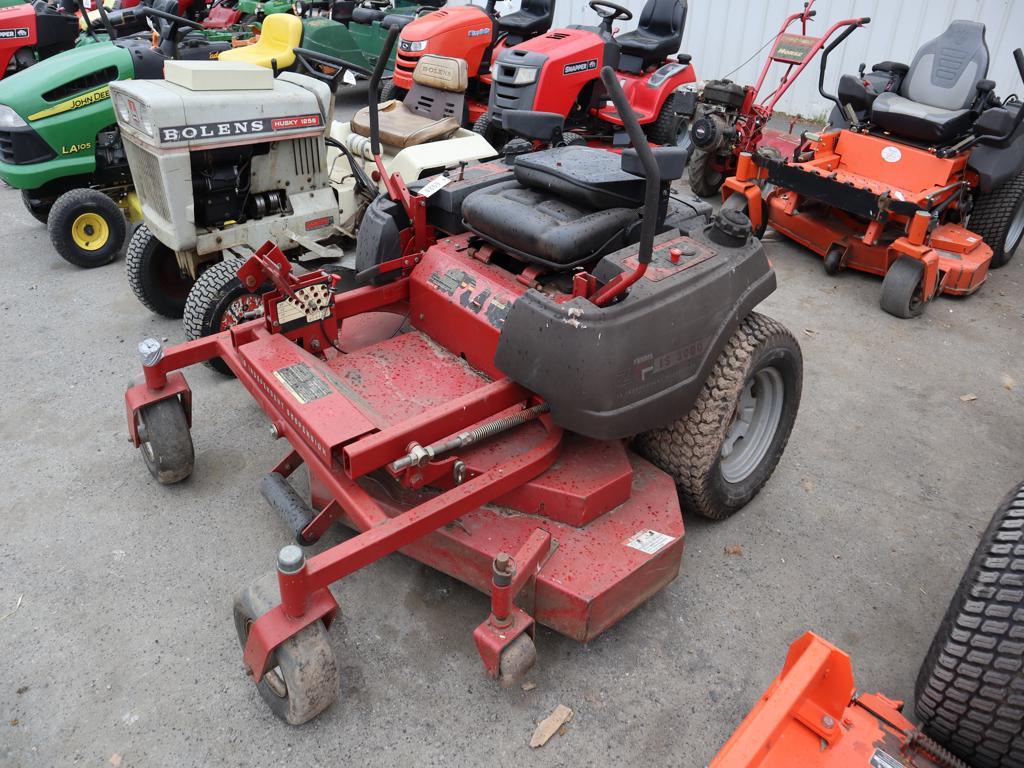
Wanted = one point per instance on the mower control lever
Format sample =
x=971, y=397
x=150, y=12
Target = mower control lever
x=824, y=59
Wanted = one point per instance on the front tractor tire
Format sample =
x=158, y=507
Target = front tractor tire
x=218, y=301
x=303, y=679
x=724, y=450
x=970, y=687
x=389, y=91
x=154, y=275
x=38, y=208
x=670, y=128
x=491, y=129
x=86, y=228
x=998, y=218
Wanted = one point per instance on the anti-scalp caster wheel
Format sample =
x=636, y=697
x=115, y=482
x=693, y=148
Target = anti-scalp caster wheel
x=902, y=292
x=166, y=442
x=516, y=661
x=303, y=680
x=86, y=228
x=834, y=260
x=724, y=450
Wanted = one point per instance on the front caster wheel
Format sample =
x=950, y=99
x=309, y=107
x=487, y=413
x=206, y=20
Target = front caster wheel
x=516, y=661
x=724, y=450
x=86, y=227
x=834, y=260
x=166, y=442
x=902, y=288
x=303, y=680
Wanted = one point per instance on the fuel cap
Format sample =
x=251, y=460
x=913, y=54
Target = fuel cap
x=731, y=228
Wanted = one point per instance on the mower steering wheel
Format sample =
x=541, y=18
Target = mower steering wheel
x=617, y=11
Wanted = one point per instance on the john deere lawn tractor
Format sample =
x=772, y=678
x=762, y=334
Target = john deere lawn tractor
x=59, y=142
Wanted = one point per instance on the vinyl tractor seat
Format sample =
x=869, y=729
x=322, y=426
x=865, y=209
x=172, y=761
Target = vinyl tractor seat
x=533, y=18
x=280, y=35
x=431, y=111
x=566, y=207
x=933, y=102
x=659, y=34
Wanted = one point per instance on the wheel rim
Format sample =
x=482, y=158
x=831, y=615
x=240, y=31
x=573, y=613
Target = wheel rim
x=753, y=426
x=90, y=231
x=1013, y=235
x=274, y=677
x=236, y=311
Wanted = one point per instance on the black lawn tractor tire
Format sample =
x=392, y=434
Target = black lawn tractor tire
x=166, y=439
x=902, y=290
x=216, y=302
x=154, y=275
x=86, y=228
x=38, y=209
x=705, y=180
x=738, y=202
x=491, y=130
x=998, y=217
x=761, y=355
x=303, y=680
x=970, y=690
x=670, y=128
x=390, y=91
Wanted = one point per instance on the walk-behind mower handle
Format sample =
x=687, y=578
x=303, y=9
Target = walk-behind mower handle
x=824, y=58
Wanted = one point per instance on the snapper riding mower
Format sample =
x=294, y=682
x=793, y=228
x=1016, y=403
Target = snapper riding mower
x=924, y=185
x=523, y=403
x=967, y=698
x=229, y=159
x=731, y=119
x=31, y=32
x=59, y=142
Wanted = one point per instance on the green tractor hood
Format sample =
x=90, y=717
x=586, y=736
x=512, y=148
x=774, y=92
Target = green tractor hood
x=62, y=103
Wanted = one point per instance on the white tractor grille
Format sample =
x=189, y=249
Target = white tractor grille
x=147, y=178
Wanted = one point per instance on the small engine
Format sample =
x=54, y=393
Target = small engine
x=714, y=128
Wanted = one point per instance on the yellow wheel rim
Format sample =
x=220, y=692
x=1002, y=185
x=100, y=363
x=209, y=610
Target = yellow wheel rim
x=90, y=231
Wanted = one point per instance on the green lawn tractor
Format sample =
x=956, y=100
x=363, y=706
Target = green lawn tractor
x=59, y=142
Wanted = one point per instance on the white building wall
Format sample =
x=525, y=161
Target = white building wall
x=722, y=34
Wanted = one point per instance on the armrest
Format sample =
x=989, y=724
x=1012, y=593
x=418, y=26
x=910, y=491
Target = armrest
x=897, y=68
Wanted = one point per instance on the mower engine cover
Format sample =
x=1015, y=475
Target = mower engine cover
x=211, y=129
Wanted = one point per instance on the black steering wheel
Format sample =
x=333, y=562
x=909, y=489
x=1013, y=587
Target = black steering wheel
x=611, y=11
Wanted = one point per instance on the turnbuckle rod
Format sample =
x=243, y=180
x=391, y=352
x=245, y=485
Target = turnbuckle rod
x=420, y=456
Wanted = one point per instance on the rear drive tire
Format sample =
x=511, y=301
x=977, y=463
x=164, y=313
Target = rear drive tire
x=303, y=680
x=86, y=228
x=217, y=302
x=998, y=218
x=154, y=276
x=724, y=450
x=166, y=442
x=971, y=684
x=670, y=129
x=902, y=294
x=38, y=209
x=705, y=180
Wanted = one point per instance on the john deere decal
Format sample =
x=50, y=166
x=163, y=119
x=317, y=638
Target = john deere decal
x=82, y=100
x=579, y=66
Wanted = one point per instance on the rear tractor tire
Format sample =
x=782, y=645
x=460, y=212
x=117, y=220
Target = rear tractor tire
x=998, y=218
x=86, y=228
x=724, y=450
x=218, y=301
x=154, y=275
x=970, y=687
x=303, y=680
x=166, y=442
x=902, y=290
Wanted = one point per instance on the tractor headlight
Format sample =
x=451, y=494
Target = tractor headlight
x=413, y=46
x=133, y=113
x=9, y=118
x=525, y=76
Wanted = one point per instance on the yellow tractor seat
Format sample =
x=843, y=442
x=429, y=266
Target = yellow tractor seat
x=280, y=35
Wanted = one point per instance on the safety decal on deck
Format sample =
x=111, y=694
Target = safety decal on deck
x=884, y=760
x=304, y=385
x=649, y=542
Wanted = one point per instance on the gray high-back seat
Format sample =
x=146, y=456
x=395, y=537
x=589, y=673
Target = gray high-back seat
x=934, y=99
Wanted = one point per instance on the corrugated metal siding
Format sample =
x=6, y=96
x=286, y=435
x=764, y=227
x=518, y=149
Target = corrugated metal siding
x=722, y=34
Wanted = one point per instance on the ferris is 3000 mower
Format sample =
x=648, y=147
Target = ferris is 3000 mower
x=522, y=404
x=924, y=187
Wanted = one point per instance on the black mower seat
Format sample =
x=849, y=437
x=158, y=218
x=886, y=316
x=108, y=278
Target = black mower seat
x=396, y=20
x=585, y=175
x=659, y=34
x=532, y=18
x=934, y=99
x=363, y=15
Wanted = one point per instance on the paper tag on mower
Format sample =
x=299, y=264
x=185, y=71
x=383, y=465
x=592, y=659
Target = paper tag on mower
x=649, y=542
x=436, y=183
x=884, y=760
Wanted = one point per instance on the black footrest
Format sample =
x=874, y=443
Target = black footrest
x=295, y=512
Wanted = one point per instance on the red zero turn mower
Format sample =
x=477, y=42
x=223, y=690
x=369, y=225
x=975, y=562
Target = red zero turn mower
x=521, y=404
x=968, y=697
x=925, y=185
x=731, y=118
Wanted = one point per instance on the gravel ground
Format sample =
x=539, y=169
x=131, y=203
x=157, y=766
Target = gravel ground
x=115, y=593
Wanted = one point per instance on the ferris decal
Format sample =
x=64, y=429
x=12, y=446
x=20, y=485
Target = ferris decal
x=579, y=66
x=238, y=127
